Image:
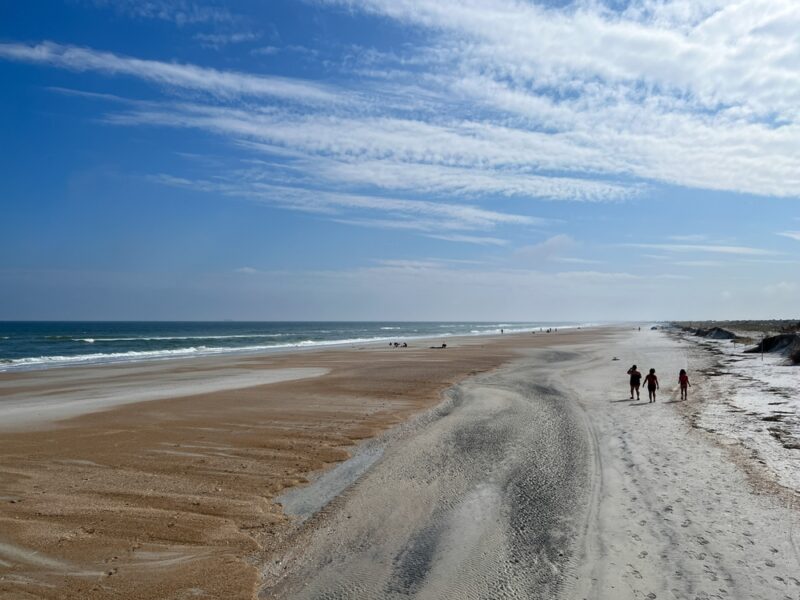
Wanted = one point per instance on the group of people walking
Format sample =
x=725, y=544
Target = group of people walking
x=652, y=383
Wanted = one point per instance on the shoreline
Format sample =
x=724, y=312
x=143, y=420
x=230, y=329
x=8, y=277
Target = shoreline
x=43, y=363
x=27, y=400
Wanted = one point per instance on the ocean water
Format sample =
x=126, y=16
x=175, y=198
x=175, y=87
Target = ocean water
x=39, y=344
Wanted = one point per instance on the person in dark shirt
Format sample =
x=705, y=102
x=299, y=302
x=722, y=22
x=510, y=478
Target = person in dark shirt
x=636, y=380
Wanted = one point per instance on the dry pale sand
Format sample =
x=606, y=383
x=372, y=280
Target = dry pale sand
x=541, y=479
x=173, y=498
x=532, y=477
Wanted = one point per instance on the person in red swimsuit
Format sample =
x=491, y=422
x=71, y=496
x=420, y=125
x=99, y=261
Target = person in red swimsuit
x=652, y=384
x=683, y=381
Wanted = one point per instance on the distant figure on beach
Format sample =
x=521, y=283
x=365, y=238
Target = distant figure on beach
x=683, y=381
x=652, y=384
x=636, y=380
x=501, y=331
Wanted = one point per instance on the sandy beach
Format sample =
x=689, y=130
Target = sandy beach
x=137, y=496
x=501, y=467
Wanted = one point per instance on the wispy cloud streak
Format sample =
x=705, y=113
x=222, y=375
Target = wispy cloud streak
x=225, y=84
x=501, y=99
x=433, y=218
x=709, y=248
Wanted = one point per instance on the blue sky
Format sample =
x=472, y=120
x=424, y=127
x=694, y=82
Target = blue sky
x=399, y=159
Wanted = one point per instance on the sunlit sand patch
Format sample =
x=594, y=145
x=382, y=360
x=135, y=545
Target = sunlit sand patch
x=17, y=554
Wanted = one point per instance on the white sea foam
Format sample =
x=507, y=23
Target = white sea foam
x=180, y=337
x=134, y=355
x=35, y=362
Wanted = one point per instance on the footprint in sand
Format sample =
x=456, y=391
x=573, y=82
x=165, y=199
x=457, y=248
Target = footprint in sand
x=643, y=554
x=635, y=572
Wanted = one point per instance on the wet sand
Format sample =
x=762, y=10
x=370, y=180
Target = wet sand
x=172, y=498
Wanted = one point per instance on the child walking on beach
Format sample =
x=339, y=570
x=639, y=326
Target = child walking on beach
x=652, y=384
x=683, y=380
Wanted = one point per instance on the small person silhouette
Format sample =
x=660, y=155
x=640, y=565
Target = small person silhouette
x=636, y=380
x=683, y=381
x=652, y=384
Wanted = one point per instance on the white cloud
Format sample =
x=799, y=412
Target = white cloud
x=699, y=263
x=546, y=250
x=688, y=238
x=515, y=99
x=702, y=97
x=597, y=277
x=794, y=235
x=553, y=249
x=220, y=40
x=434, y=218
x=714, y=249
x=500, y=99
x=577, y=261
x=224, y=84
x=265, y=51
x=392, y=153
x=470, y=239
